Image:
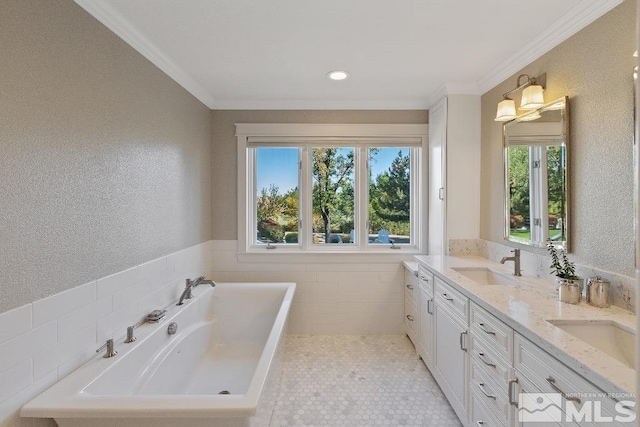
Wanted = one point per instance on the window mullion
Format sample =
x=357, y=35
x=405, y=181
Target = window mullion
x=305, y=183
x=362, y=192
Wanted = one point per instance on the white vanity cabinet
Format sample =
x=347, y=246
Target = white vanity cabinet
x=485, y=364
x=411, y=314
x=490, y=349
x=538, y=372
x=426, y=317
x=451, y=364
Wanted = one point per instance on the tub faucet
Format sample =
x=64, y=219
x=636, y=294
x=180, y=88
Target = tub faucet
x=190, y=284
x=516, y=261
x=202, y=281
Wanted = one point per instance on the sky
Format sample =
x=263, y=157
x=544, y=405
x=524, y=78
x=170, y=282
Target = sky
x=279, y=166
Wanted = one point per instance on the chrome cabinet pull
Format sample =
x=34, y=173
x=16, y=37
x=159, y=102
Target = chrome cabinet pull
x=485, y=329
x=482, y=357
x=512, y=383
x=462, y=334
x=410, y=317
x=410, y=287
x=429, y=309
x=552, y=382
x=447, y=297
x=425, y=278
x=479, y=423
x=490, y=396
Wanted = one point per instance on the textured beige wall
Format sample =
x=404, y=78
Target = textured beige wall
x=225, y=171
x=104, y=160
x=594, y=68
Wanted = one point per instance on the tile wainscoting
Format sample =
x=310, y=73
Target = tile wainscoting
x=623, y=292
x=336, y=293
x=42, y=342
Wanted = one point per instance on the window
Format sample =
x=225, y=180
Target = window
x=331, y=188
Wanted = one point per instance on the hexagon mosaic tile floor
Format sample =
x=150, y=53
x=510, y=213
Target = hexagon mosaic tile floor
x=357, y=381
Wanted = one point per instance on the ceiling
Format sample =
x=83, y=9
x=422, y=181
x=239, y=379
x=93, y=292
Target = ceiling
x=402, y=54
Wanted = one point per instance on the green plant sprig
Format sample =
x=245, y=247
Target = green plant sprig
x=560, y=264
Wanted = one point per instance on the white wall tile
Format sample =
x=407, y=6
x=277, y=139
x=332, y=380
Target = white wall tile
x=115, y=325
x=285, y=276
x=57, y=305
x=77, y=320
x=161, y=298
x=224, y=245
x=352, y=277
x=153, y=269
x=26, y=345
x=314, y=308
x=15, y=322
x=302, y=296
x=232, y=276
x=49, y=359
x=126, y=297
x=15, y=379
x=116, y=282
x=357, y=285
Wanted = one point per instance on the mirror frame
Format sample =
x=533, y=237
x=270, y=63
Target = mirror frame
x=566, y=138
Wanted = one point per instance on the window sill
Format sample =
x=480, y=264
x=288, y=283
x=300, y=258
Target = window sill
x=304, y=257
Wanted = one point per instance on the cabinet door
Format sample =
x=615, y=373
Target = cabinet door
x=451, y=360
x=426, y=328
x=437, y=173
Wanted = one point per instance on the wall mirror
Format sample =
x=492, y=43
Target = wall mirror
x=536, y=176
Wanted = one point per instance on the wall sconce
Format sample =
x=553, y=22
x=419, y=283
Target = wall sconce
x=532, y=97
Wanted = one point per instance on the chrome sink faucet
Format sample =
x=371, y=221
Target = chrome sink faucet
x=516, y=261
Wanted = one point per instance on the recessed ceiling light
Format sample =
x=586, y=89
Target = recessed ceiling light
x=337, y=75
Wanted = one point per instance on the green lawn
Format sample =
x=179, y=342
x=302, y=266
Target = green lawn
x=526, y=234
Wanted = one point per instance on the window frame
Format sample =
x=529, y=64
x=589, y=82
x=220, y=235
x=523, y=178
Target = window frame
x=306, y=136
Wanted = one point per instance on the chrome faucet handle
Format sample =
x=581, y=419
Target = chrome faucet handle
x=111, y=351
x=130, y=337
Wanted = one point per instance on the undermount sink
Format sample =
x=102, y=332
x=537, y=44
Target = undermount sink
x=485, y=276
x=605, y=335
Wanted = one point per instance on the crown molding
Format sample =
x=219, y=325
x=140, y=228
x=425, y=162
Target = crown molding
x=285, y=104
x=452, y=88
x=569, y=24
x=110, y=18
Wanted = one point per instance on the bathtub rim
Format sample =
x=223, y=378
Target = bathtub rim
x=64, y=400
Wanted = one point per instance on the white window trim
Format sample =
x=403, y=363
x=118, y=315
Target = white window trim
x=357, y=135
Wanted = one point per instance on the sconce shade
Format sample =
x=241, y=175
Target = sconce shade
x=532, y=97
x=506, y=110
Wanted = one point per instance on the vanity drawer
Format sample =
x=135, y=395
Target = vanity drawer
x=410, y=314
x=425, y=281
x=496, y=366
x=552, y=376
x=489, y=393
x=481, y=415
x=410, y=284
x=452, y=300
x=491, y=330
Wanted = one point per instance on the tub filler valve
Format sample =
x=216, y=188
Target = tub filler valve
x=190, y=284
x=111, y=351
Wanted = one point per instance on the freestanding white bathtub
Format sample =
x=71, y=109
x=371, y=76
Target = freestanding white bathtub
x=230, y=339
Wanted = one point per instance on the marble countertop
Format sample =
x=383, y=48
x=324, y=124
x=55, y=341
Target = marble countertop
x=526, y=307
